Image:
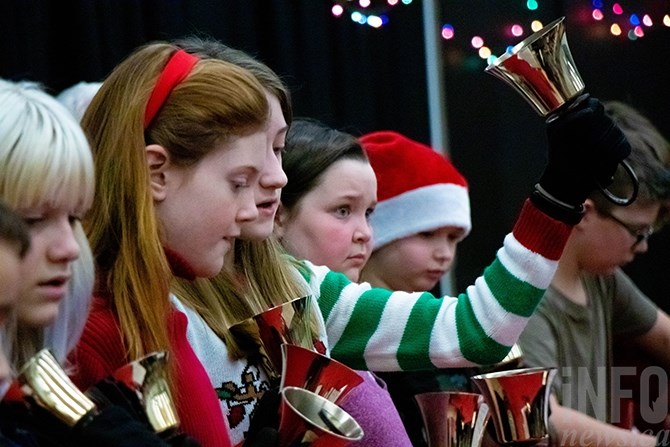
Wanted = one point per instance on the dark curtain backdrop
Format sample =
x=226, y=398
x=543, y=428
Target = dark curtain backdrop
x=361, y=79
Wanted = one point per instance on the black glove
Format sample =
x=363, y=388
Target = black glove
x=182, y=440
x=112, y=392
x=264, y=437
x=585, y=148
x=265, y=421
x=114, y=427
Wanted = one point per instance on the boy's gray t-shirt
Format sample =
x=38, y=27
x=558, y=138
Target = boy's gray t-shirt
x=578, y=340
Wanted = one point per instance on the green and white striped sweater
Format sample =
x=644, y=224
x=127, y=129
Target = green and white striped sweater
x=381, y=330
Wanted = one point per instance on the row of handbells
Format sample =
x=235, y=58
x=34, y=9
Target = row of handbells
x=311, y=387
x=141, y=385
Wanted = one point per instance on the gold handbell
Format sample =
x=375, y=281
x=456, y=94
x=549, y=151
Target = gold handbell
x=518, y=402
x=309, y=419
x=453, y=418
x=541, y=69
x=289, y=323
x=318, y=373
x=44, y=381
x=147, y=379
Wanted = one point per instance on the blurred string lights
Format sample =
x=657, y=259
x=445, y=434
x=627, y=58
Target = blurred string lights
x=366, y=12
x=627, y=21
x=624, y=18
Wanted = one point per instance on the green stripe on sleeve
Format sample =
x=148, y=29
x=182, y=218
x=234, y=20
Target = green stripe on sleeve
x=475, y=345
x=514, y=295
x=361, y=326
x=416, y=338
x=330, y=290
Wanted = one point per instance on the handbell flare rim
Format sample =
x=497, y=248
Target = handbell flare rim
x=268, y=310
x=65, y=400
x=354, y=379
x=286, y=393
x=462, y=393
x=514, y=372
x=525, y=43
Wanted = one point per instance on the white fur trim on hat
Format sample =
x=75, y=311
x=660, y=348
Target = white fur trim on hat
x=421, y=209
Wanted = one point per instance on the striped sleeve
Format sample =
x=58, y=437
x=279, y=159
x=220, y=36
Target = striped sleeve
x=382, y=330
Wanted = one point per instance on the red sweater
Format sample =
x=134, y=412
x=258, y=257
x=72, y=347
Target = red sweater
x=102, y=351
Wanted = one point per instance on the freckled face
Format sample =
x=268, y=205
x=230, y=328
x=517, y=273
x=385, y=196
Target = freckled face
x=205, y=205
x=330, y=223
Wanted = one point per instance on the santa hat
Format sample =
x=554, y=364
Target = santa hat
x=418, y=188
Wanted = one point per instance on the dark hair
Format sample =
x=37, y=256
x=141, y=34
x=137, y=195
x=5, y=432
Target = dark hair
x=14, y=230
x=647, y=158
x=311, y=148
x=213, y=49
x=639, y=130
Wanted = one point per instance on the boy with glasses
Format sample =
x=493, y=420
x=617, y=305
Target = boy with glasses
x=591, y=300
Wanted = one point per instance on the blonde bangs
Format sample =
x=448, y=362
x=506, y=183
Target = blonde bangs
x=54, y=170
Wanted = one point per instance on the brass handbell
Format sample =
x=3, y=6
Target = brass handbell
x=146, y=378
x=541, y=69
x=289, y=323
x=305, y=368
x=518, y=402
x=309, y=419
x=43, y=380
x=453, y=418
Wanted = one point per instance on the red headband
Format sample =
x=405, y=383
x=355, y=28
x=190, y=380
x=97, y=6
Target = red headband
x=177, y=68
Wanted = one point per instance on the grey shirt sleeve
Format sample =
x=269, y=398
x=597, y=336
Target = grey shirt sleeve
x=634, y=313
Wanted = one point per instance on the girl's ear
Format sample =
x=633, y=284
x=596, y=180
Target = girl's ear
x=158, y=161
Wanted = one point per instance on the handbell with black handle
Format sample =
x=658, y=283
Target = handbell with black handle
x=541, y=69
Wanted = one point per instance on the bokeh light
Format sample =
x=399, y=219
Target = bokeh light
x=477, y=42
x=447, y=31
x=374, y=21
x=358, y=18
x=484, y=52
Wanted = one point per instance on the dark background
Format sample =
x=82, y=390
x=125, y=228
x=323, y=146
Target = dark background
x=361, y=79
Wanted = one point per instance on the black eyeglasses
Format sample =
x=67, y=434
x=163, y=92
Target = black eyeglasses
x=640, y=234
